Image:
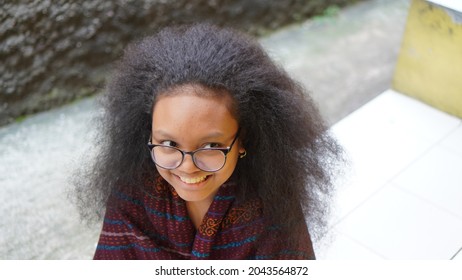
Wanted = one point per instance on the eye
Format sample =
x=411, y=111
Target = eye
x=212, y=145
x=169, y=143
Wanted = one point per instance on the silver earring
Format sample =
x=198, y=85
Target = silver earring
x=241, y=155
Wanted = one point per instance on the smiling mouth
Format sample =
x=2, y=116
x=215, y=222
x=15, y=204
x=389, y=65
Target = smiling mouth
x=193, y=180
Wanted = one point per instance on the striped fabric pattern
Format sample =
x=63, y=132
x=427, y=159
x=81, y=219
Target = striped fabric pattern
x=154, y=224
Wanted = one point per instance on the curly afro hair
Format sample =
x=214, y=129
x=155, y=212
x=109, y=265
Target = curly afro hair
x=291, y=158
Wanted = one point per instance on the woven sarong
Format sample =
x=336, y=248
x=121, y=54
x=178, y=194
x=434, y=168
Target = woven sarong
x=154, y=224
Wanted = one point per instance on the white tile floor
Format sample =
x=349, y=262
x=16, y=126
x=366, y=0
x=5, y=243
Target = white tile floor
x=402, y=198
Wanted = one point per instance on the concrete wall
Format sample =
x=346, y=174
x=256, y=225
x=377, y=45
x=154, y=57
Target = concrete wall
x=53, y=52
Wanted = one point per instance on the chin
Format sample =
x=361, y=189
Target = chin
x=192, y=191
x=192, y=197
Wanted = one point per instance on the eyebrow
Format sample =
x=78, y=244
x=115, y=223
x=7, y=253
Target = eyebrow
x=161, y=133
x=212, y=135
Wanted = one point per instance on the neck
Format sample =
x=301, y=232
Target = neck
x=197, y=211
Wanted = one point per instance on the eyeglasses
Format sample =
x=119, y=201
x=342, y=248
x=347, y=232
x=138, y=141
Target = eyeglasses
x=206, y=159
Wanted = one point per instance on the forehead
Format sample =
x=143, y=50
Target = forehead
x=201, y=91
x=185, y=111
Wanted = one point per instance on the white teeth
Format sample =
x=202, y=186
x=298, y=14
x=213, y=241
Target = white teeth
x=193, y=180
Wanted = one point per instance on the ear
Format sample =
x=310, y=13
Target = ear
x=242, y=151
x=241, y=147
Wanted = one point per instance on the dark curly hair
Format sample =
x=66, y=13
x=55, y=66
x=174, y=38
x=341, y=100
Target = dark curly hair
x=291, y=158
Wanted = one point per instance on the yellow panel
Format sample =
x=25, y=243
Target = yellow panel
x=429, y=65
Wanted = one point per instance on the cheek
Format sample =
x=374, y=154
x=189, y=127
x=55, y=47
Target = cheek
x=162, y=172
x=231, y=163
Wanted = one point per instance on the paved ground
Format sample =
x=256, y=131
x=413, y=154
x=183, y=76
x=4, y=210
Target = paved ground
x=344, y=60
x=403, y=185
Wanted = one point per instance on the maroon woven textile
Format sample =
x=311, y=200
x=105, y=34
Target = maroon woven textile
x=155, y=225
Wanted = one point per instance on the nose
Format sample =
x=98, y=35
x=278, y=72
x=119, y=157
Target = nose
x=188, y=165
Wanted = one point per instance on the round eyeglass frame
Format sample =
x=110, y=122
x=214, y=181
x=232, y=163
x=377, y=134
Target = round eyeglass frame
x=225, y=152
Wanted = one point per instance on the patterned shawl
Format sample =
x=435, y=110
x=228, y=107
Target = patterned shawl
x=155, y=225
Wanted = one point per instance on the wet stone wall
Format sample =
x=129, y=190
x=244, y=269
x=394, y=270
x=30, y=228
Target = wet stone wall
x=52, y=52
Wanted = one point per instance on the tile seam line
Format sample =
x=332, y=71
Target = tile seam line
x=374, y=251
x=358, y=206
x=351, y=238
x=458, y=251
x=447, y=147
x=419, y=197
x=422, y=155
x=395, y=176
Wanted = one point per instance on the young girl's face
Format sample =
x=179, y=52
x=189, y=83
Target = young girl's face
x=188, y=122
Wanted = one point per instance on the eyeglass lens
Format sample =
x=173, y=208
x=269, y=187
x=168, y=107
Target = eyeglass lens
x=171, y=158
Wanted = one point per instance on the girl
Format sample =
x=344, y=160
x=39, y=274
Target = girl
x=208, y=150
